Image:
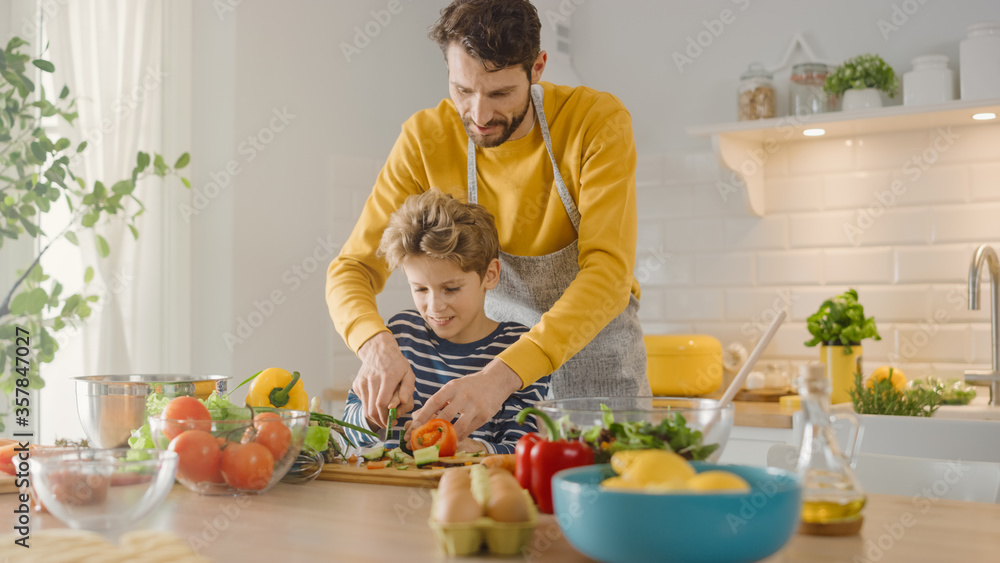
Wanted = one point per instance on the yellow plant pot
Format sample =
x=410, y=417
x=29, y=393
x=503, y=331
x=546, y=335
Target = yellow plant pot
x=840, y=369
x=683, y=365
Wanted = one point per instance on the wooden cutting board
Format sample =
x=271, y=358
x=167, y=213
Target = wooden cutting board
x=763, y=395
x=7, y=484
x=412, y=476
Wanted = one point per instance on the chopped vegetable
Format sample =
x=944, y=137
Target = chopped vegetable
x=424, y=456
x=374, y=454
x=436, y=432
x=376, y=465
x=671, y=433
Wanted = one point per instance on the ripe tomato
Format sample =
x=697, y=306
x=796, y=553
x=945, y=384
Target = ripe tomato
x=436, y=432
x=199, y=456
x=247, y=466
x=272, y=433
x=188, y=409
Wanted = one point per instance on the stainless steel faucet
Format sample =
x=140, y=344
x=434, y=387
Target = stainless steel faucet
x=982, y=377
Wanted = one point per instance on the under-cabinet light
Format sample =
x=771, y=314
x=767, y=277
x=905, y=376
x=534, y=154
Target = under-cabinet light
x=984, y=116
x=814, y=132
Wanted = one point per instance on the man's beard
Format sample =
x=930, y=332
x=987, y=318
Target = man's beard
x=496, y=139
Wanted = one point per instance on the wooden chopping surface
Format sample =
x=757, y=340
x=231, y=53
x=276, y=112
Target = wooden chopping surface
x=412, y=476
x=7, y=484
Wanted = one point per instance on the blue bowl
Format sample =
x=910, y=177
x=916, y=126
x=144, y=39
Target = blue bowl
x=614, y=525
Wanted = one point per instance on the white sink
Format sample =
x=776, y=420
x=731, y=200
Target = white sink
x=968, y=412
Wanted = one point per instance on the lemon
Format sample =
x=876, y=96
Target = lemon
x=897, y=377
x=618, y=483
x=657, y=466
x=718, y=480
x=621, y=460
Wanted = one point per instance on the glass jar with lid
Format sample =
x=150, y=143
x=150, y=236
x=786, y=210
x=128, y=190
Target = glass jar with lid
x=756, y=95
x=805, y=93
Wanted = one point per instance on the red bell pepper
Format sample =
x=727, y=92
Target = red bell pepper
x=539, y=459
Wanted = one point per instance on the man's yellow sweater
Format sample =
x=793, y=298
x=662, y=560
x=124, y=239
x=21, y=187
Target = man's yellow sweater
x=593, y=145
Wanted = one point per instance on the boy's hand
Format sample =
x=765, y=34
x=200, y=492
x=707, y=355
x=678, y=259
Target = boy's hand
x=476, y=397
x=383, y=371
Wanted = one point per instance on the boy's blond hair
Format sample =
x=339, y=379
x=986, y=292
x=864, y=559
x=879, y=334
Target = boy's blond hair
x=437, y=225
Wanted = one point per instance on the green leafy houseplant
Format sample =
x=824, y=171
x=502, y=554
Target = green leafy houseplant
x=863, y=71
x=36, y=174
x=883, y=398
x=841, y=320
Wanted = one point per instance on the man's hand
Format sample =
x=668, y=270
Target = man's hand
x=383, y=371
x=476, y=397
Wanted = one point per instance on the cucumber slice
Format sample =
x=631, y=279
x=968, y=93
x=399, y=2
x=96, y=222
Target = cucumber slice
x=423, y=456
x=374, y=454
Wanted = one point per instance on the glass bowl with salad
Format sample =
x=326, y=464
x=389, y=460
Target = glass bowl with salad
x=695, y=428
x=225, y=449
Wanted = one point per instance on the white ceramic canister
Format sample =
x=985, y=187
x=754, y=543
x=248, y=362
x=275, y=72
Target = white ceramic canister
x=930, y=81
x=979, y=62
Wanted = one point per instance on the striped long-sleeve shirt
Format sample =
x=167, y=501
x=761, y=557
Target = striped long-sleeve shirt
x=435, y=362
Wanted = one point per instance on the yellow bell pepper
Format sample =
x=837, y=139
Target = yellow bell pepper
x=275, y=387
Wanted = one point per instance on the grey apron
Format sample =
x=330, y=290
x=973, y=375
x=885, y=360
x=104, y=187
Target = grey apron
x=613, y=364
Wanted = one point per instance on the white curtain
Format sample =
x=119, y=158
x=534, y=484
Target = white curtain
x=118, y=58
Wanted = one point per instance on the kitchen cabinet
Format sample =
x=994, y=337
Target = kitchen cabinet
x=744, y=147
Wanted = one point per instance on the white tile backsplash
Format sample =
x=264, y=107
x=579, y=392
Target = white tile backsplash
x=831, y=225
x=799, y=267
x=768, y=232
x=693, y=305
x=729, y=268
x=984, y=180
x=798, y=193
x=851, y=190
x=858, y=265
x=922, y=264
x=979, y=222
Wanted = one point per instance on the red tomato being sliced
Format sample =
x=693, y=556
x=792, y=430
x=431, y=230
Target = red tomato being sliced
x=437, y=432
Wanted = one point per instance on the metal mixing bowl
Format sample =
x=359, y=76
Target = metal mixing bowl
x=112, y=406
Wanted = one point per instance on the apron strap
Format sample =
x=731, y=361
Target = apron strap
x=538, y=99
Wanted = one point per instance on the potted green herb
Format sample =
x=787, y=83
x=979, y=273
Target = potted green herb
x=859, y=81
x=838, y=327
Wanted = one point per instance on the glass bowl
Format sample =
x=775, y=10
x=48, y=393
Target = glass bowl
x=232, y=469
x=709, y=424
x=102, y=489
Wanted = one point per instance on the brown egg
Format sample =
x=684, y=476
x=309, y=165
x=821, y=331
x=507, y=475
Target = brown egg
x=456, y=505
x=507, y=505
x=452, y=478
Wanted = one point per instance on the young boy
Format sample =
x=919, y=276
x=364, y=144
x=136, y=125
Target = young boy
x=449, y=252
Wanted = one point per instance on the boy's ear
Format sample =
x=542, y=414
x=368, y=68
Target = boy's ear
x=492, y=277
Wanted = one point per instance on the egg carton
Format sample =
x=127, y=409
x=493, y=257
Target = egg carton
x=498, y=538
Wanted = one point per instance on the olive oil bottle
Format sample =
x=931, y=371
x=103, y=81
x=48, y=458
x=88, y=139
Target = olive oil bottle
x=832, y=499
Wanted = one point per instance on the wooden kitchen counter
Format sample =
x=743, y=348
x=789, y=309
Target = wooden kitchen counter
x=329, y=521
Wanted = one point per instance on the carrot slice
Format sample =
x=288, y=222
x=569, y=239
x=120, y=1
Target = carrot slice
x=376, y=465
